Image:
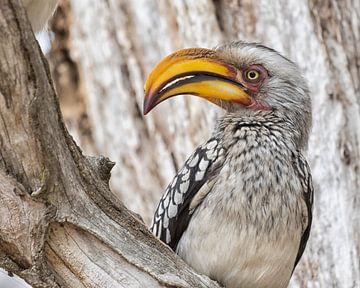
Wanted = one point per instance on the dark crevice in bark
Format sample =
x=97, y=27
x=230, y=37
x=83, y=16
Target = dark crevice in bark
x=13, y=254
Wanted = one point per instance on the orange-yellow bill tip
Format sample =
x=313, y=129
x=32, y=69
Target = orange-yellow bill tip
x=196, y=71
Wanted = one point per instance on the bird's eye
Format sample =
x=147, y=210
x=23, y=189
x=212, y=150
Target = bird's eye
x=252, y=75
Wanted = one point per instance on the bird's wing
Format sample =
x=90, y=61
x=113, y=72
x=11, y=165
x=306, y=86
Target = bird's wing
x=303, y=170
x=186, y=191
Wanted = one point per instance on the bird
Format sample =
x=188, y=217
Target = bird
x=240, y=208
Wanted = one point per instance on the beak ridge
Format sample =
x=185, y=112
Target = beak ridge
x=197, y=71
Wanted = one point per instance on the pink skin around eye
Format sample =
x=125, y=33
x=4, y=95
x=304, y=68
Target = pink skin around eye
x=255, y=105
x=254, y=86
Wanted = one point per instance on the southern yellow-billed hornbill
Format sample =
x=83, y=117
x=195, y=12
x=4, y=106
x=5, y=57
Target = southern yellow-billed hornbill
x=239, y=210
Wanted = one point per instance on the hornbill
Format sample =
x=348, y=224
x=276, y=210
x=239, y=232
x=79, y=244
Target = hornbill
x=239, y=210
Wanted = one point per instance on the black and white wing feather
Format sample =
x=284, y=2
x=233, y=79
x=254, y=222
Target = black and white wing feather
x=173, y=212
x=303, y=170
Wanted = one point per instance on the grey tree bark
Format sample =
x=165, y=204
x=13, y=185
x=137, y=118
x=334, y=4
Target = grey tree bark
x=60, y=225
x=117, y=42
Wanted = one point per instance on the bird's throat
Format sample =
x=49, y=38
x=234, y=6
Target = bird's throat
x=258, y=106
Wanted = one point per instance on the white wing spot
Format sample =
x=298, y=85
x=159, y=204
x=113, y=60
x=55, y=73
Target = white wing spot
x=203, y=164
x=190, y=158
x=173, y=182
x=172, y=211
x=157, y=217
x=168, y=236
x=211, y=145
x=185, y=176
x=166, y=221
x=161, y=208
x=184, y=186
x=211, y=154
x=153, y=228
x=159, y=227
x=178, y=198
x=194, y=161
x=166, y=200
x=199, y=175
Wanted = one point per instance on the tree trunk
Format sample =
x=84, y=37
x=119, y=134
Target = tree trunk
x=118, y=42
x=114, y=45
x=60, y=225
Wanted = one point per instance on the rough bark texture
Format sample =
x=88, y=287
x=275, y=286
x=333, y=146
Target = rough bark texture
x=117, y=42
x=60, y=225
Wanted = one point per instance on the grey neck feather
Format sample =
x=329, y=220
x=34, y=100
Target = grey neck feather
x=295, y=126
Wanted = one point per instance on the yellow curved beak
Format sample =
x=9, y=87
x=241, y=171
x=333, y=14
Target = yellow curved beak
x=195, y=71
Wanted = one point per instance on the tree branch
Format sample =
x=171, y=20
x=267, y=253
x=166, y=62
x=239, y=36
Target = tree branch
x=61, y=226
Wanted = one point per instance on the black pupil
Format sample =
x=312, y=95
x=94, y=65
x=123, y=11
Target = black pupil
x=252, y=74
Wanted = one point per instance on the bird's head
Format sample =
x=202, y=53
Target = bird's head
x=239, y=77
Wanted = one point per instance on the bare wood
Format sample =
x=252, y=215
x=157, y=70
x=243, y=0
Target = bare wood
x=61, y=226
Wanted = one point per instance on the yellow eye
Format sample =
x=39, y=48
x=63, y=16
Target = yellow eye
x=252, y=75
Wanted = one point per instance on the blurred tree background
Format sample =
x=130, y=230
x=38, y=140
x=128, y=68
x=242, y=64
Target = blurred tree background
x=102, y=51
